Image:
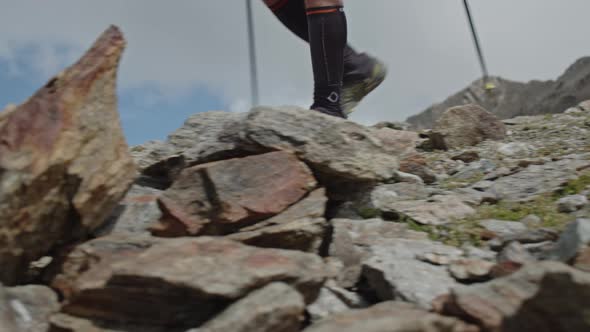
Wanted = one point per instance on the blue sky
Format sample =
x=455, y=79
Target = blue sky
x=187, y=56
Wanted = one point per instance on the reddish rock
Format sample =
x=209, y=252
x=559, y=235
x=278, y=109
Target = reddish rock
x=301, y=227
x=416, y=164
x=399, y=142
x=390, y=317
x=176, y=282
x=541, y=297
x=582, y=261
x=467, y=157
x=64, y=162
x=221, y=197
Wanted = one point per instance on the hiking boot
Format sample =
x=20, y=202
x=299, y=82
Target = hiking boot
x=357, y=85
x=336, y=113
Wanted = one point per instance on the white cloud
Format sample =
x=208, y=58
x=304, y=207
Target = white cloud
x=177, y=45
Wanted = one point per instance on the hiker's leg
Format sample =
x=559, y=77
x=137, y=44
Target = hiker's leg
x=292, y=14
x=327, y=39
x=362, y=73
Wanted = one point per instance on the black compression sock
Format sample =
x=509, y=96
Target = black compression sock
x=292, y=14
x=327, y=40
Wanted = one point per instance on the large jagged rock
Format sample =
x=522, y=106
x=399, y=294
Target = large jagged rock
x=64, y=162
x=510, y=99
x=274, y=308
x=390, y=317
x=222, y=197
x=26, y=308
x=333, y=148
x=541, y=297
x=176, y=282
x=300, y=227
x=464, y=126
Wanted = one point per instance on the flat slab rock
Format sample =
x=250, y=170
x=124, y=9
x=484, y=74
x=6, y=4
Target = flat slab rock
x=394, y=271
x=352, y=240
x=63, y=154
x=437, y=210
x=26, y=308
x=537, y=179
x=541, y=297
x=176, y=282
x=222, y=197
x=334, y=148
x=390, y=317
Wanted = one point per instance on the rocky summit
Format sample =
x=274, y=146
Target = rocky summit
x=510, y=99
x=287, y=220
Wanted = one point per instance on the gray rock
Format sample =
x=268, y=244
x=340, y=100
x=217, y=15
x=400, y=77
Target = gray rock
x=26, y=308
x=387, y=194
x=574, y=238
x=276, y=307
x=408, y=178
x=334, y=148
x=473, y=197
x=503, y=228
x=333, y=300
x=516, y=149
x=136, y=213
x=470, y=270
x=352, y=239
x=466, y=125
x=301, y=227
x=437, y=210
x=531, y=221
x=150, y=153
x=390, y=317
x=394, y=272
x=204, y=137
x=541, y=297
x=527, y=237
x=517, y=253
x=572, y=203
x=479, y=253
x=474, y=170
x=537, y=179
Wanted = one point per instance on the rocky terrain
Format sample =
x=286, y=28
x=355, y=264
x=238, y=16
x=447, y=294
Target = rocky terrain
x=286, y=220
x=510, y=99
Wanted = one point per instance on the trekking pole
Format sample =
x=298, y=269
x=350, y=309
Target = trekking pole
x=252, y=49
x=489, y=85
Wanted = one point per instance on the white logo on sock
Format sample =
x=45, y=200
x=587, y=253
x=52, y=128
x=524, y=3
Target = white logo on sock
x=333, y=97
